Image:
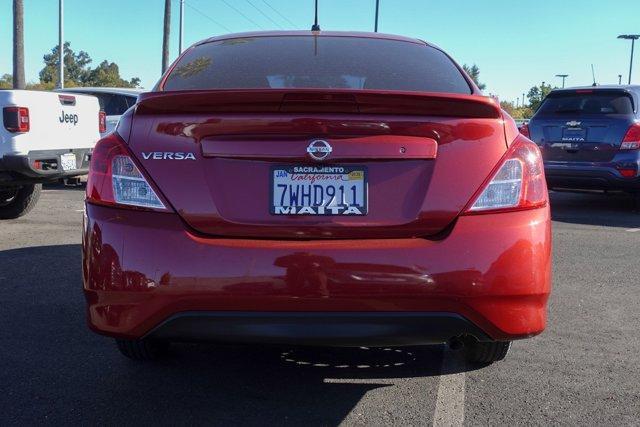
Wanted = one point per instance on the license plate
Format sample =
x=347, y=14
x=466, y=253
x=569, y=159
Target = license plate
x=68, y=161
x=318, y=190
x=574, y=135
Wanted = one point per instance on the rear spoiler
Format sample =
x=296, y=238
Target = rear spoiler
x=318, y=101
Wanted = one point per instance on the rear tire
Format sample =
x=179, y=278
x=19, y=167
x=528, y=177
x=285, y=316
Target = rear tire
x=17, y=202
x=487, y=352
x=142, y=350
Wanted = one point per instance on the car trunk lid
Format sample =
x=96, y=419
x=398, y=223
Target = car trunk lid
x=424, y=156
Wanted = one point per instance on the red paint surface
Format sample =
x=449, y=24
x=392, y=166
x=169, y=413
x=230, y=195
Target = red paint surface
x=141, y=267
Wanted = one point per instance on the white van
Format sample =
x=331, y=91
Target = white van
x=44, y=136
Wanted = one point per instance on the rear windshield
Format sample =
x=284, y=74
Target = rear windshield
x=598, y=103
x=111, y=104
x=316, y=62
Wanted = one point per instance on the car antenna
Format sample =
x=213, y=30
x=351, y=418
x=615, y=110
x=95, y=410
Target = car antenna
x=593, y=74
x=315, y=26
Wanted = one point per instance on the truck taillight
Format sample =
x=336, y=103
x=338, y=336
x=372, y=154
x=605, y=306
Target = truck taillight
x=102, y=122
x=517, y=184
x=116, y=180
x=631, y=140
x=16, y=119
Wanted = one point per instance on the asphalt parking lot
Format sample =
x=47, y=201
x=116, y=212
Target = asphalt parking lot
x=583, y=370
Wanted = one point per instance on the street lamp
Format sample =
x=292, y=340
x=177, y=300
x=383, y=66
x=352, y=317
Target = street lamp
x=563, y=76
x=633, y=38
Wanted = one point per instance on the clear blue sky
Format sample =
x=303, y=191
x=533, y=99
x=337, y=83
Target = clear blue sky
x=516, y=43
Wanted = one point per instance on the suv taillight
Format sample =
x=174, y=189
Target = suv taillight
x=517, y=183
x=16, y=119
x=116, y=180
x=102, y=122
x=631, y=140
x=524, y=130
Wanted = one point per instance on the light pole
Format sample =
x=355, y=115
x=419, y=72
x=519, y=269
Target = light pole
x=315, y=26
x=61, y=44
x=563, y=76
x=633, y=38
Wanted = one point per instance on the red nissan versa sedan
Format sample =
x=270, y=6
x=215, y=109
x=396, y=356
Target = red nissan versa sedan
x=316, y=188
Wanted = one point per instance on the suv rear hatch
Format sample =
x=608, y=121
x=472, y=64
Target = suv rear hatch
x=584, y=125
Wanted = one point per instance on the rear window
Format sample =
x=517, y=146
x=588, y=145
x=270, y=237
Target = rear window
x=595, y=102
x=316, y=62
x=112, y=105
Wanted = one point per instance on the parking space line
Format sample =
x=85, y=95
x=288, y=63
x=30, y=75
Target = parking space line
x=451, y=389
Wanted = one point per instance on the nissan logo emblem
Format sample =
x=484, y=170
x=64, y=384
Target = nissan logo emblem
x=319, y=149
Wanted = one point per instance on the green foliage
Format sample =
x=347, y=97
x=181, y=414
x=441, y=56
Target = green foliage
x=474, y=72
x=516, y=112
x=537, y=94
x=108, y=74
x=6, y=81
x=77, y=71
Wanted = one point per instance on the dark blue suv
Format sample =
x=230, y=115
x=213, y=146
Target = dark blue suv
x=590, y=138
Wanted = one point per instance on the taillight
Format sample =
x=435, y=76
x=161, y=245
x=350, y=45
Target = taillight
x=102, y=122
x=115, y=179
x=524, y=130
x=517, y=184
x=16, y=119
x=631, y=140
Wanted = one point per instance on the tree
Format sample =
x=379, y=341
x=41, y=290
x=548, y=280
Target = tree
x=75, y=67
x=77, y=71
x=6, y=81
x=108, y=74
x=165, y=35
x=508, y=107
x=474, y=72
x=516, y=112
x=18, y=45
x=537, y=94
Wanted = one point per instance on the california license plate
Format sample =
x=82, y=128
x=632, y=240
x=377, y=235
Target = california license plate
x=318, y=190
x=68, y=161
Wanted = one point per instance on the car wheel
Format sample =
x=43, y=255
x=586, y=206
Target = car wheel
x=142, y=350
x=487, y=352
x=18, y=201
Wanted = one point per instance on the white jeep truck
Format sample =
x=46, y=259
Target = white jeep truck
x=44, y=136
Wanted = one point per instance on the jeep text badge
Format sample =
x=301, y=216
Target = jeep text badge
x=319, y=149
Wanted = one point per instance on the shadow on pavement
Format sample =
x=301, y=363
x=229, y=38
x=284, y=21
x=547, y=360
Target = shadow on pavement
x=611, y=210
x=55, y=370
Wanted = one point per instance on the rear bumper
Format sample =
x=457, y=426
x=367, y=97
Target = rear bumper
x=336, y=329
x=589, y=178
x=21, y=168
x=145, y=274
